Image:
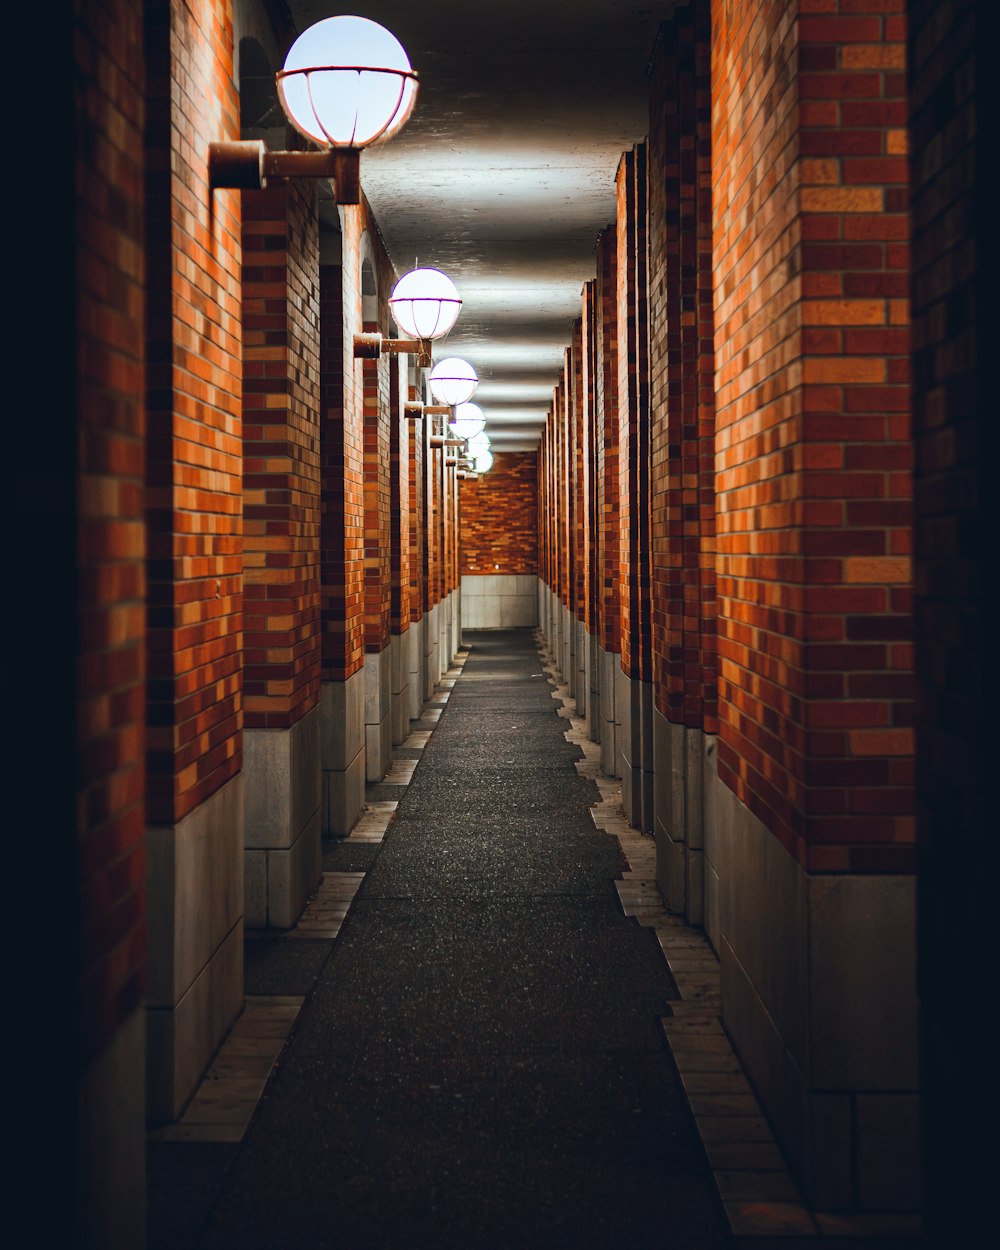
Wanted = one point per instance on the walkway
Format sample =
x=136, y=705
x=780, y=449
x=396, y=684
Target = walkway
x=478, y=1061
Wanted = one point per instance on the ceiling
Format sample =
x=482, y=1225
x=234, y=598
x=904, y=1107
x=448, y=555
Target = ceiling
x=504, y=175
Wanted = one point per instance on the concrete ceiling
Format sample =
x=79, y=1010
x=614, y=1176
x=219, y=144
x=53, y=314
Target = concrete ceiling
x=504, y=175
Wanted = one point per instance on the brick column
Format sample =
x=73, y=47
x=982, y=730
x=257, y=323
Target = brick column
x=813, y=514
x=281, y=496
x=634, y=691
x=606, y=488
x=77, y=618
x=417, y=521
x=683, y=451
x=399, y=551
x=194, y=567
x=342, y=535
x=581, y=535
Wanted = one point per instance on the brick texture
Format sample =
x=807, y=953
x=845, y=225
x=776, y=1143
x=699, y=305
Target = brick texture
x=607, y=474
x=110, y=581
x=194, y=397
x=682, y=399
x=281, y=486
x=633, y=417
x=499, y=517
x=813, y=453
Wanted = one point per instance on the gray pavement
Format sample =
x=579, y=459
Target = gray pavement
x=478, y=1062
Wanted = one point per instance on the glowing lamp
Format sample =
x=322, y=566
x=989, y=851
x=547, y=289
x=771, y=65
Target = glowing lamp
x=479, y=443
x=469, y=420
x=425, y=303
x=453, y=381
x=347, y=83
x=484, y=461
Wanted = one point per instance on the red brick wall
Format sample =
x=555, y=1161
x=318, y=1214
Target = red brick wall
x=606, y=449
x=110, y=581
x=499, y=517
x=281, y=489
x=813, y=425
x=590, y=365
x=399, y=499
x=417, y=482
x=633, y=416
x=342, y=505
x=194, y=397
x=346, y=583
x=376, y=495
x=580, y=544
x=682, y=401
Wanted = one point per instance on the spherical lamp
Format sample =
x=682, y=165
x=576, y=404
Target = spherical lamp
x=484, y=462
x=425, y=303
x=469, y=420
x=453, y=381
x=479, y=443
x=347, y=83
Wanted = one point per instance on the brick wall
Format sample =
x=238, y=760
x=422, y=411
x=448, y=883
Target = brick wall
x=399, y=499
x=633, y=416
x=110, y=577
x=813, y=450
x=499, y=517
x=682, y=401
x=375, y=375
x=607, y=470
x=580, y=547
x=194, y=397
x=417, y=481
x=281, y=489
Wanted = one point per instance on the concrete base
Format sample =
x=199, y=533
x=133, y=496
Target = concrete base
x=195, y=968
x=432, y=642
x=595, y=718
x=283, y=800
x=682, y=758
x=414, y=638
x=399, y=673
x=499, y=601
x=456, y=624
x=581, y=651
x=111, y=1141
x=342, y=753
x=567, y=648
x=378, y=714
x=634, y=729
x=609, y=664
x=819, y=997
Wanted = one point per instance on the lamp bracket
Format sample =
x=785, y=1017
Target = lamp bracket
x=247, y=164
x=372, y=346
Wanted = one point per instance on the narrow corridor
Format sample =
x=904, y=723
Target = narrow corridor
x=479, y=1062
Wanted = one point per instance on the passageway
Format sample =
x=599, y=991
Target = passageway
x=479, y=1062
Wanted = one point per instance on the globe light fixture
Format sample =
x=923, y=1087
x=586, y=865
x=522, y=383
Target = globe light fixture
x=479, y=443
x=425, y=303
x=469, y=420
x=346, y=83
x=453, y=381
x=484, y=461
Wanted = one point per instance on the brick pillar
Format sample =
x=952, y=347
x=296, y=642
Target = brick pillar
x=342, y=695
x=813, y=847
x=581, y=537
x=606, y=490
x=417, y=521
x=281, y=497
x=683, y=450
x=194, y=566
x=949, y=286
x=378, y=673
x=77, y=676
x=634, y=691
x=591, y=622
x=399, y=551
